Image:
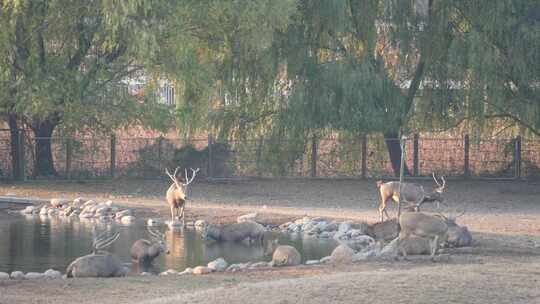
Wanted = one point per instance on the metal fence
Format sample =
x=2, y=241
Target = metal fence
x=330, y=157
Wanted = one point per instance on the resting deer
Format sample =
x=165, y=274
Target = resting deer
x=412, y=193
x=458, y=236
x=177, y=193
x=144, y=251
x=237, y=232
x=422, y=225
x=99, y=263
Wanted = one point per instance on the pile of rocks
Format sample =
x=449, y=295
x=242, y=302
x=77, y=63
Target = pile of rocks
x=19, y=275
x=83, y=209
x=218, y=265
x=353, y=234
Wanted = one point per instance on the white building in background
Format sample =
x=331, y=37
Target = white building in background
x=164, y=92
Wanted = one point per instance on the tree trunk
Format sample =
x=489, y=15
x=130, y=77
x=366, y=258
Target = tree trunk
x=44, y=165
x=394, y=151
x=14, y=142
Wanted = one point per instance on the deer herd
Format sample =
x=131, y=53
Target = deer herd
x=413, y=226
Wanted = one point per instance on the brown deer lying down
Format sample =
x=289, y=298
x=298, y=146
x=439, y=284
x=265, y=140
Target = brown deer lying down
x=144, y=251
x=458, y=236
x=237, y=232
x=98, y=264
x=417, y=224
x=412, y=193
x=177, y=193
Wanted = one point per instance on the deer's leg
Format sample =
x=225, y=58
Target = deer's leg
x=382, y=208
x=182, y=214
x=434, y=247
x=172, y=213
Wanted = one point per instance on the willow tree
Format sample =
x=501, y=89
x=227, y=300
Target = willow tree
x=488, y=76
x=359, y=66
x=67, y=63
x=222, y=58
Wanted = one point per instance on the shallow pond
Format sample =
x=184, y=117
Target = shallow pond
x=36, y=243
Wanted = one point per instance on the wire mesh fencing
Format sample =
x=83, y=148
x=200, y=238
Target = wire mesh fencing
x=329, y=157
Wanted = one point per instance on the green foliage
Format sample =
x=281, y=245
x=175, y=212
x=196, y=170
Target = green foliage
x=69, y=60
x=189, y=157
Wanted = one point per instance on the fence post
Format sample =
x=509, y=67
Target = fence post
x=466, y=146
x=415, y=154
x=113, y=155
x=364, y=156
x=210, y=156
x=21, y=156
x=160, y=153
x=517, y=157
x=69, y=151
x=314, y=156
x=258, y=155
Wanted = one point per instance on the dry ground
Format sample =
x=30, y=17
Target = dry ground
x=502, y=267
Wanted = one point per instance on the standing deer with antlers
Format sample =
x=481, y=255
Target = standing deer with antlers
x=177, y=193
x=412, y=193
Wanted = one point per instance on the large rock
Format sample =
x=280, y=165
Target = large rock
x=260, y=265
x=237, y=267
x=188, y=270
x=330, y=227
x=44, y=210
x=59, y=202
x=344, y=227
x=34, y=276
x=218, y=264
x=360, y=242
x=17, y=275
x=69, y=210
x=97, y=266
x=286, y=255
x=128, y=220
x=89, y=203
x=52, y=274
x=78, y=202
x=343, y=254
x=390, y=250
x=201, y=270
x=247, y=217
x=30, y=210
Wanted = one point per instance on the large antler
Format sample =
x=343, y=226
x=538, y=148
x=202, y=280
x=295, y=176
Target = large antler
x=194, y=173
x=173, y=176
x=156, y=234
x=441, y=187
x=103, y=240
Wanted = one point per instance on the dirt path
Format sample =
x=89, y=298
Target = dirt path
x=502, y=267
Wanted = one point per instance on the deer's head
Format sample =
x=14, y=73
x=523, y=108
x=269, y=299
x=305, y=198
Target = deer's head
x=440, y=188
x=182, y=187
x=159, y=240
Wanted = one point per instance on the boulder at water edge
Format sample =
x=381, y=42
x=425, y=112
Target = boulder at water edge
x=218, y=264
x=343, y=254
x=17, y=275
x=286, y=255
x=202, y=270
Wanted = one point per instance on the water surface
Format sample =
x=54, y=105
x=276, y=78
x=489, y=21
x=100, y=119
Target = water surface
x=37, y=243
